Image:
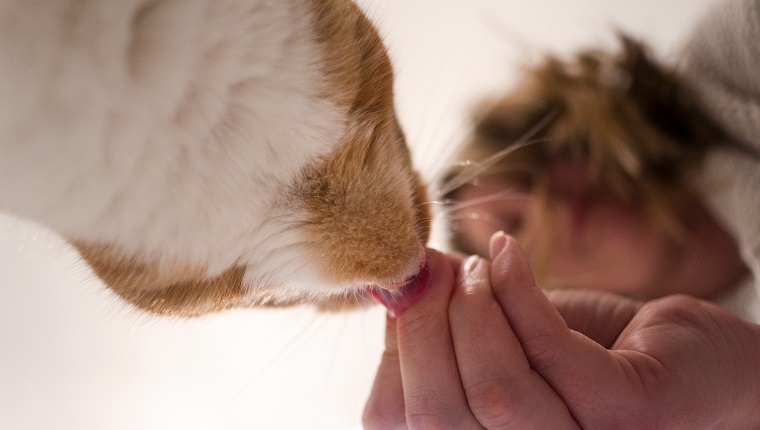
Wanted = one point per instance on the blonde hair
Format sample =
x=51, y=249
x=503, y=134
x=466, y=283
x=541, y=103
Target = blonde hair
x=631, y=122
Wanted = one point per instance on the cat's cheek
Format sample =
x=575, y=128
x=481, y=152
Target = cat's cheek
x=373, y=241
x=186, y=291
x=423, y=213
x=177, y=290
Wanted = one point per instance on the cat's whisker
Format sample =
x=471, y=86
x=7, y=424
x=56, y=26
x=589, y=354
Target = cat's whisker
x=426, y=144
x=527, y=170
x=526, y=51
x=429, y=146
x=356, y=299
x=449, y=205
x=446, y=152
x=500, y=196
x=526, y=140
x=311, y=326
x=337, y=340
x=472, y=169
x=450, y=105
x=482, y=217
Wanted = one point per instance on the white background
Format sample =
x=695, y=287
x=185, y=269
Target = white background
x=73, y=357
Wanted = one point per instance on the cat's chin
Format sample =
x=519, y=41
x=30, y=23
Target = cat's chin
x=395, y=296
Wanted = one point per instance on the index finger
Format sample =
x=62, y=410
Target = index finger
x=432, y=388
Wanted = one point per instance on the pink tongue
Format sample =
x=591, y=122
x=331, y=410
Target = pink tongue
x=400, y=300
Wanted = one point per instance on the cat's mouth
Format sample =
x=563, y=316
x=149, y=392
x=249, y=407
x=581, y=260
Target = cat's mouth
x=400, y=296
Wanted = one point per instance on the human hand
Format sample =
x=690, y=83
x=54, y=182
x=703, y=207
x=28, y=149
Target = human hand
x=452, y=361
x=499, y=355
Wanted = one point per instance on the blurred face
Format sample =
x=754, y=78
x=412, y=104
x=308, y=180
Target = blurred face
x=579, y=237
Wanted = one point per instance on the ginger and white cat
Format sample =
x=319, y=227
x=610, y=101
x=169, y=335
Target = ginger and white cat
x=208, y=154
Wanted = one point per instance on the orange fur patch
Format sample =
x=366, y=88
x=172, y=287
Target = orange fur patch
x=179, y=291
x=367, y=218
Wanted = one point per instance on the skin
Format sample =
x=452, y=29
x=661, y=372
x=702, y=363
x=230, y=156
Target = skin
x=509, y=356
x=600, y=243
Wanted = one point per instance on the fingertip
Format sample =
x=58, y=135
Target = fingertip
x=506, y=248
x=473, y=275
x=509, y=262
x=471, y=264
x=390, y=332
x=497, y=243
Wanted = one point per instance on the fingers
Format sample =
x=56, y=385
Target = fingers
x=458, y=363
x=385, y=407
x=490, y=350
x=591, y=380
x=501, y=389
x=536, y=322
x=431, y=383
x=599, y=315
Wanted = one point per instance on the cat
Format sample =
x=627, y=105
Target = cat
x=209, y=154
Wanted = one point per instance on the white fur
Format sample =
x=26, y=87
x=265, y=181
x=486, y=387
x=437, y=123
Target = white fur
x=169, y=128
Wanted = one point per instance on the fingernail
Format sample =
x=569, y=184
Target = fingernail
x=400, y=300
x=470, y=264
x=498, y=242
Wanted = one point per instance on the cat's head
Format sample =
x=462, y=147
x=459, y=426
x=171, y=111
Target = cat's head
x=351, y=218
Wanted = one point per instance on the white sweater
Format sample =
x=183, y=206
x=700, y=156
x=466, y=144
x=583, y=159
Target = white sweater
x=723, y=61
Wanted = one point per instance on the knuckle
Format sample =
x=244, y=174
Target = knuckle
x=495, y=402
x=465, y=309
x=427, y=411
x=381, y=414
x=683, y=311
x=376, y=418
x=540, y=351
x=422, y=325
x=389, y=356
x=642, y=415
x=675, y=302
x=425, y=421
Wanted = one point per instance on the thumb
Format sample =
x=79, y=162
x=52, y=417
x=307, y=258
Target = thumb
x=589, y=378
x=600, y=315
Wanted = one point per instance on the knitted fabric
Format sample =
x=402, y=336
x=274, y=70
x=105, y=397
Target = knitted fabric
x=722, y=61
